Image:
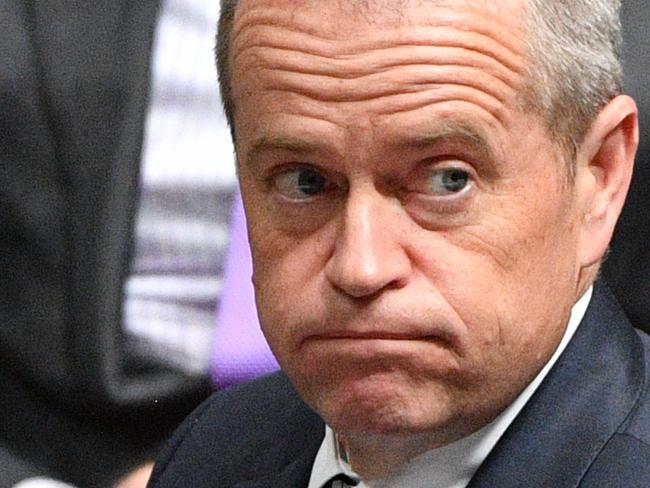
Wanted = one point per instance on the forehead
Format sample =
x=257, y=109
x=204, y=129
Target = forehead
x=354, y=19
x=385, y=61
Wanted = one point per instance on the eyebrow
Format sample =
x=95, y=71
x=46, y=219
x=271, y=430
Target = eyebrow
x=279, y=144
x=456, y=133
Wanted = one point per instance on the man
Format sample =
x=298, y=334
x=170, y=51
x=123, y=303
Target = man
x=430, y=188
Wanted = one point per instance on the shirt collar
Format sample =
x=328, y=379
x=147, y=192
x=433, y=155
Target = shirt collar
x=451, y=466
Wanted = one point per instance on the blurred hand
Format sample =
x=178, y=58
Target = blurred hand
x=137, y=478
x=42, y=483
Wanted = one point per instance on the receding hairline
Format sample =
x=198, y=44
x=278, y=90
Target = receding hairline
x=230, y=27
x=570, y=103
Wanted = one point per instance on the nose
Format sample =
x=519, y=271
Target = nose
x=369, y=256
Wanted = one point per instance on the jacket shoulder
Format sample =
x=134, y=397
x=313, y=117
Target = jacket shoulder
x=625, y=459
x=239, y=434
x=638, y=423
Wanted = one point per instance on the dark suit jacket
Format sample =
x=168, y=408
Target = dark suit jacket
x=74, y=82
x=587, y=425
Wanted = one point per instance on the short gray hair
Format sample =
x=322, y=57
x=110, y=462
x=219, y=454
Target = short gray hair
x=574, y=65
x=573, y=68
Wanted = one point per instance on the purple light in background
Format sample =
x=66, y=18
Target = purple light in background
x=240, y=350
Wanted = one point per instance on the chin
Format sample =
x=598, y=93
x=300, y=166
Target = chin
x=384, y=420
x=378, y=406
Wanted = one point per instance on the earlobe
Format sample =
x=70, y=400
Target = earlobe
x=604, y=169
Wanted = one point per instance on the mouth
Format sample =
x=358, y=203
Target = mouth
x=444, y=340
x=387, y=336
x=383, y=351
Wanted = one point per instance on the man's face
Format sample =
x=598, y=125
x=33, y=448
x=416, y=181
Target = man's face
x=413, y=236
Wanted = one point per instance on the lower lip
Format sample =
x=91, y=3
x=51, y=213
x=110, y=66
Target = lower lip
x=395, y=338
x=426, y=352
x=378, y=338
x=378, y=342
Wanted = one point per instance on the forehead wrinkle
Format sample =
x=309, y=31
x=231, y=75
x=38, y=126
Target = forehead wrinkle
x=409, y=79
x=278, y=28
x=372, y=62
x=258, y=17
x=307, y=65
x=376, y=88
x=403, y=104
x=345, y=50
x=400, y=102
x=369, y=76
x=310, y=56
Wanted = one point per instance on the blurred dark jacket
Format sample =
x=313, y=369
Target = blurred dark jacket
x=74, y=83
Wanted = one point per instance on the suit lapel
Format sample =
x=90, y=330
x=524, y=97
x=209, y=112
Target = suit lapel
x=581, y=403
x=302, y=449
x=294, y=475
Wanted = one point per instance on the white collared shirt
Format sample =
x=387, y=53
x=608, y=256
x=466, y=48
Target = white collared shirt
x=451, y=466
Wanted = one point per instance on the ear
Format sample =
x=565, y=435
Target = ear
x=603, y=172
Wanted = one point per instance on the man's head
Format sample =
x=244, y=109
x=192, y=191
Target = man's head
x=417, y=244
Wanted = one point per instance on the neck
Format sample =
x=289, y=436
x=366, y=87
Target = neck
x=377, y=456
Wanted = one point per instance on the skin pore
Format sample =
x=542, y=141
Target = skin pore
x=416, y=247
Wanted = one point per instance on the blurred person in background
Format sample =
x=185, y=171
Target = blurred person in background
x=116, y=183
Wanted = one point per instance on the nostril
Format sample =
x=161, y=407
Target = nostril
x=367, y=278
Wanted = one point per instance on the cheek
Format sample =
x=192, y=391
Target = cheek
x=288, y=279
x=512, y=283
x=517, y=262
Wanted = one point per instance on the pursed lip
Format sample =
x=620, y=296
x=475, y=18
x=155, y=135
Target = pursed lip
x=443, y=338
x=397, y=325
x=388, y=336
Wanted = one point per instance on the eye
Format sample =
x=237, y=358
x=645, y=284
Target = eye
x=300, y=183
x=447, y=181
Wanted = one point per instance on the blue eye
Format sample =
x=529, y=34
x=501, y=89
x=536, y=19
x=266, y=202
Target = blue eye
x=448, y=181
x=300, y=183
